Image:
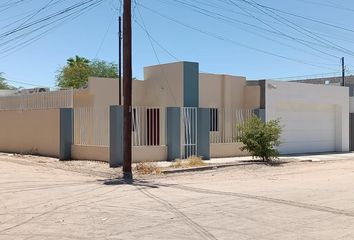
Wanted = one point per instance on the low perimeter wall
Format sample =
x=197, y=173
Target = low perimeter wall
x=30, y=131
x=101, y=153
x=221, y=150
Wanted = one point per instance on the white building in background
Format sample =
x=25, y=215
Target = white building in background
x=4, y=93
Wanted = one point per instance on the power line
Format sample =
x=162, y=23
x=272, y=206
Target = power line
x=308, y=18
x=156, y=55
x=333, y=5
x=319, y=75
x=229, y=40
x=46, y=18
x=276, y=31
x=154, y=40
x=284, y=34
x=72, y=15
x=25, y=83
x=9, y=5
x=36, y=13
x=229, y=2
x=300, y=29
x=105, y=36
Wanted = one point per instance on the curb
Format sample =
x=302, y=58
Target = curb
x=211, y=167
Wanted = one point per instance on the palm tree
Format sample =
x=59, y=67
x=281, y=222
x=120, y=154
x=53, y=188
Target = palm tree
x=78, y=61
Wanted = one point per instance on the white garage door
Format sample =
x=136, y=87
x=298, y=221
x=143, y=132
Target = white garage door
x=307, y=130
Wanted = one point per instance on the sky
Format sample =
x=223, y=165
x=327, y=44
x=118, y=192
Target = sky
x=227, y=37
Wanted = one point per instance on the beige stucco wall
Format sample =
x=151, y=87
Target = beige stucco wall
x=252, y=97
x=97, y=153
x=104, y=90
x=220, y=150
x=139, y=93
x=31, y=131
x=101, y=153
x=164, y=85
x=149, y=153
x=210, y=90
x=83, y=98
x=223, y=91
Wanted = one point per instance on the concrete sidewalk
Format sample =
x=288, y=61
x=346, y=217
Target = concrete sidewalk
x=287, y=158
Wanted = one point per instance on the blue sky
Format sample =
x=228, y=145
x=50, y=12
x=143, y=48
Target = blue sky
x=94, y=34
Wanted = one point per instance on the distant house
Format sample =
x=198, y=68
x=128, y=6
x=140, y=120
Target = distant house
x=4, y=93
x=337, y=81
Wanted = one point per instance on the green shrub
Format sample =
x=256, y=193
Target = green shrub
x=260, y=139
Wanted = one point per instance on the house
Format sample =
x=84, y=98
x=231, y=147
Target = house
x=177, y=112
x=5, y=92
x=337, y=81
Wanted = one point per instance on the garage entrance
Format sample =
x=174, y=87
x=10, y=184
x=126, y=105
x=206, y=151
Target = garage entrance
x=308, y=128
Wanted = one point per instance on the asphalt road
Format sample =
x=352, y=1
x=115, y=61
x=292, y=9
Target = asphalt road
x=39, y=201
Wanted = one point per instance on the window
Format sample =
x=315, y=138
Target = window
x=213, y=118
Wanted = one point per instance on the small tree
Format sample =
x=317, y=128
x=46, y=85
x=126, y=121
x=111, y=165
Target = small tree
x=100, y=68
x=77, y=71
x=4, y=84
x=260, y=138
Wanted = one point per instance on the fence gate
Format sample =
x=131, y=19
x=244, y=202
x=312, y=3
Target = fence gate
x=189, y=118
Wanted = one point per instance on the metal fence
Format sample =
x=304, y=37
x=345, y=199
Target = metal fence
x=224, y=122
x=91, y=126
x=149, y=126
x=40, y=100
x=189, y=119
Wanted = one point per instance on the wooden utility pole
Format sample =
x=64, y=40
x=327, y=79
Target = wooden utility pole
x=343, y=72
x=127, y=90
x=120, y=61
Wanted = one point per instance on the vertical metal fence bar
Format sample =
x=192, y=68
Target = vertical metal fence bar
x=224, y=124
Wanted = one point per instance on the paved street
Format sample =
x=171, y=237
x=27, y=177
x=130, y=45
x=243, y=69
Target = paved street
x=308, y=200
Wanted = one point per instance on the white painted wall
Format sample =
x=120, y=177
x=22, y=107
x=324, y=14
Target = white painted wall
x=4, y=93
x=315, y=118
x=351, y=104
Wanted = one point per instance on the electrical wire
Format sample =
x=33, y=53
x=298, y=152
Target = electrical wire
x=219, y=37
x=68, y=17
x=298, y=28
x=232, y=21
x=156, y=55
x=104, y=36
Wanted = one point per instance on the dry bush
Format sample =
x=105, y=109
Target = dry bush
x=147, y=168
x=192, y=161
x=195, y=161
x=177, y=164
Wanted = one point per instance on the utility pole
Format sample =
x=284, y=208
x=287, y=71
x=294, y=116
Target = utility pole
x=127, y=90
x=343, y=72
x=120, y=61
